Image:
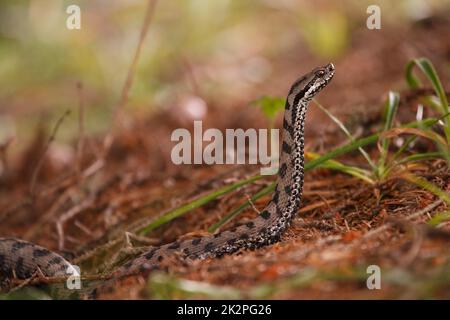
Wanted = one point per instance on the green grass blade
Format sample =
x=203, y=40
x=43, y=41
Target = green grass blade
x=422, y=132
x=439, y=217
x=338, y=166
x=346, y=131
x=423, y=183
x=390, y=111
x=428, y=69
x=423, y=156
x=351, y=146
x=423, y=124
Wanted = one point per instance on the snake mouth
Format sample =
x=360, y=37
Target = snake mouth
x=329, y=68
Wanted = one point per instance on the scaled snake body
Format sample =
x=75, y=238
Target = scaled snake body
x=21, y=259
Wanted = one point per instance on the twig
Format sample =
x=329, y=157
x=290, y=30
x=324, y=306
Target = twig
x=80, y=144
x=68, y=215
x=23, y=283
x=83, y=228
x=65, y=186
x=41, y=159
x=38, y=280
x=65, y=194
x=48, y=215
x=316, y=205
x=93, y=168
x=417, y=241
x=385, y=226
x=191, y=78
x=252, y=204
x=107, y=142
x=3, y=156
x=346, y=225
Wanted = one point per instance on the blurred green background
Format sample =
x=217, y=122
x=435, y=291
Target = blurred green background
x=220, y=48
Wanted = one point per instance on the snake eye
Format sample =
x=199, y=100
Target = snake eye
x=320, y=73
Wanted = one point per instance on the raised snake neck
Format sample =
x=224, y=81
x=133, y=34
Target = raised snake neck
x=22, y=259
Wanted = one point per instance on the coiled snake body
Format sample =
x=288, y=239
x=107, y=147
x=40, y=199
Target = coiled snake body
x=21, y=259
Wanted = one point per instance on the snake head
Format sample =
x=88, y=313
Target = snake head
x=319, y=78
x=326, y=72
x=310, y=84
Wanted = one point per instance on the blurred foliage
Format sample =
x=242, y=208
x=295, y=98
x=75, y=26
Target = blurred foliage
x=225, y=44
x=415, y=285
x=270, y=106
x=326, y=33
x=26, y=293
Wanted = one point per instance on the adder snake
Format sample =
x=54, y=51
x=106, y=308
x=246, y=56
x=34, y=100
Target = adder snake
x=21, y=259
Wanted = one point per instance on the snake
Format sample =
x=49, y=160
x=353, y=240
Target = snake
x=22, y=259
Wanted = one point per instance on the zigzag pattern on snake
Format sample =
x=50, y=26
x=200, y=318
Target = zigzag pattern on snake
x=21, y=259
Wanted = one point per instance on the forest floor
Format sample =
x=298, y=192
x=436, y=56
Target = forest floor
x=344, y=225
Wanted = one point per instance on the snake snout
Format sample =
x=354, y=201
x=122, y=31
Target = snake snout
x=329, y=67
